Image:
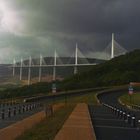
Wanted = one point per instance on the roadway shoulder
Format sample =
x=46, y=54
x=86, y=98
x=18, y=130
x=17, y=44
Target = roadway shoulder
x=78, y=126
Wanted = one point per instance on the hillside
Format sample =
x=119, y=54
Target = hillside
x=120, y=70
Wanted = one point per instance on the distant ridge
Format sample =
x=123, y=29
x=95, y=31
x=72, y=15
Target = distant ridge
x=120, y=70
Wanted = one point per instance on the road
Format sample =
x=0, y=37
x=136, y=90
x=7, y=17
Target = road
x=17, y=112
x=110, y=126
x=20, y=116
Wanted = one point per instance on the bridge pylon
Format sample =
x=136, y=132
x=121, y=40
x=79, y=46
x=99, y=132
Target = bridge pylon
x=112, y=46
x=14, y=66
x=76, y=59
x=21, y=67
x=29, y=70
x=40, y=68
x=54, y=67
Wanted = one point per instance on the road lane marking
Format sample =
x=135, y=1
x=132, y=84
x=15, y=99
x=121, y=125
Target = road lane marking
x=108, y=119
x=115, y=127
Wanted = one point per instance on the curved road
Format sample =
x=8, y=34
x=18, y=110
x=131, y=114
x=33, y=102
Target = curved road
x=112, y=99
x=44, y=101
x=110, y=126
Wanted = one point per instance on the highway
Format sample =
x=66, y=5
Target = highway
x=31, y=109
x=107, y=125
x=112, y=125
x=10, y=114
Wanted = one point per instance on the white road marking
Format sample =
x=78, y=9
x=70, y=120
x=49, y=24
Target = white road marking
x=116, y=127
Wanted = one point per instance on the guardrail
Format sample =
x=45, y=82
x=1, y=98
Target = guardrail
x=8, y=111
x=63, y=94
x=123, y=115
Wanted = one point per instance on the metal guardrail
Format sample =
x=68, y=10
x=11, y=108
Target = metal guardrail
x=121, y=114
x=64, y=94
x=8, y=110
x=136, y=107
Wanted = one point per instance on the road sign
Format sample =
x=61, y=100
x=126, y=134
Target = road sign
x=54, y=88
x=130, y=90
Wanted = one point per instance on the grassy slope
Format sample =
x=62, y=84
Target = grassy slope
x=48, y=128
x=88, y=99
x=120, y=70
x=134, y=99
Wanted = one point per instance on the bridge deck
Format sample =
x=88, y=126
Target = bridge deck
x=58, y=65
x=78, y=126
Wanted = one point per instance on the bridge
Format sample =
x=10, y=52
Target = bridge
x=111, y=51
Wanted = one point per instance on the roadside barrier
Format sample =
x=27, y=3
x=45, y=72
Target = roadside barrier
x=11, y=111
x=133, y=124
x=14, y=111
x=124, y=116
x=3, y=114
x=128, y=118
x=120, y=114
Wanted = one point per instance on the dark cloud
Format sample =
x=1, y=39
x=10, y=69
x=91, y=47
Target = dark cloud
x=59, y=24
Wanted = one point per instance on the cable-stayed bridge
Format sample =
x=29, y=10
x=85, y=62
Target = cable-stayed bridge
x=77, y=60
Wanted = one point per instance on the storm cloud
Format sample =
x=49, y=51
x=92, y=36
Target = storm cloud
x=41, y=26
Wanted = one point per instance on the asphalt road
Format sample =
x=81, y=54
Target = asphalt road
x=20, y=116
x=26, y=110
x=110, y=126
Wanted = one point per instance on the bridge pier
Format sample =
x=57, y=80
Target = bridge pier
x=14, y=64
x=112, y=47
x=40, y=69
x=21, y=66
x=54, y=67
x=29, y=71
x=76, y=60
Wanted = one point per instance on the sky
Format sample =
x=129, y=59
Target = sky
x=34, y=27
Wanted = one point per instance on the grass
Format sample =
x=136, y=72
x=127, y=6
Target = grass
x=131, y=99
x=48, y=128
x=89, y=98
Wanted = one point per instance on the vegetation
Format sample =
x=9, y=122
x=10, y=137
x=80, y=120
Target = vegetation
x=48, y=128
x=118, y=71
x=31, y=90
x=89, y=98
x=131, y=99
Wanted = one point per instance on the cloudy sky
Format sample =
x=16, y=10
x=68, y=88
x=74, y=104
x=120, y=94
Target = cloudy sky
x=31, y=27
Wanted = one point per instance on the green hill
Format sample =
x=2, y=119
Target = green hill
x=120, y=70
